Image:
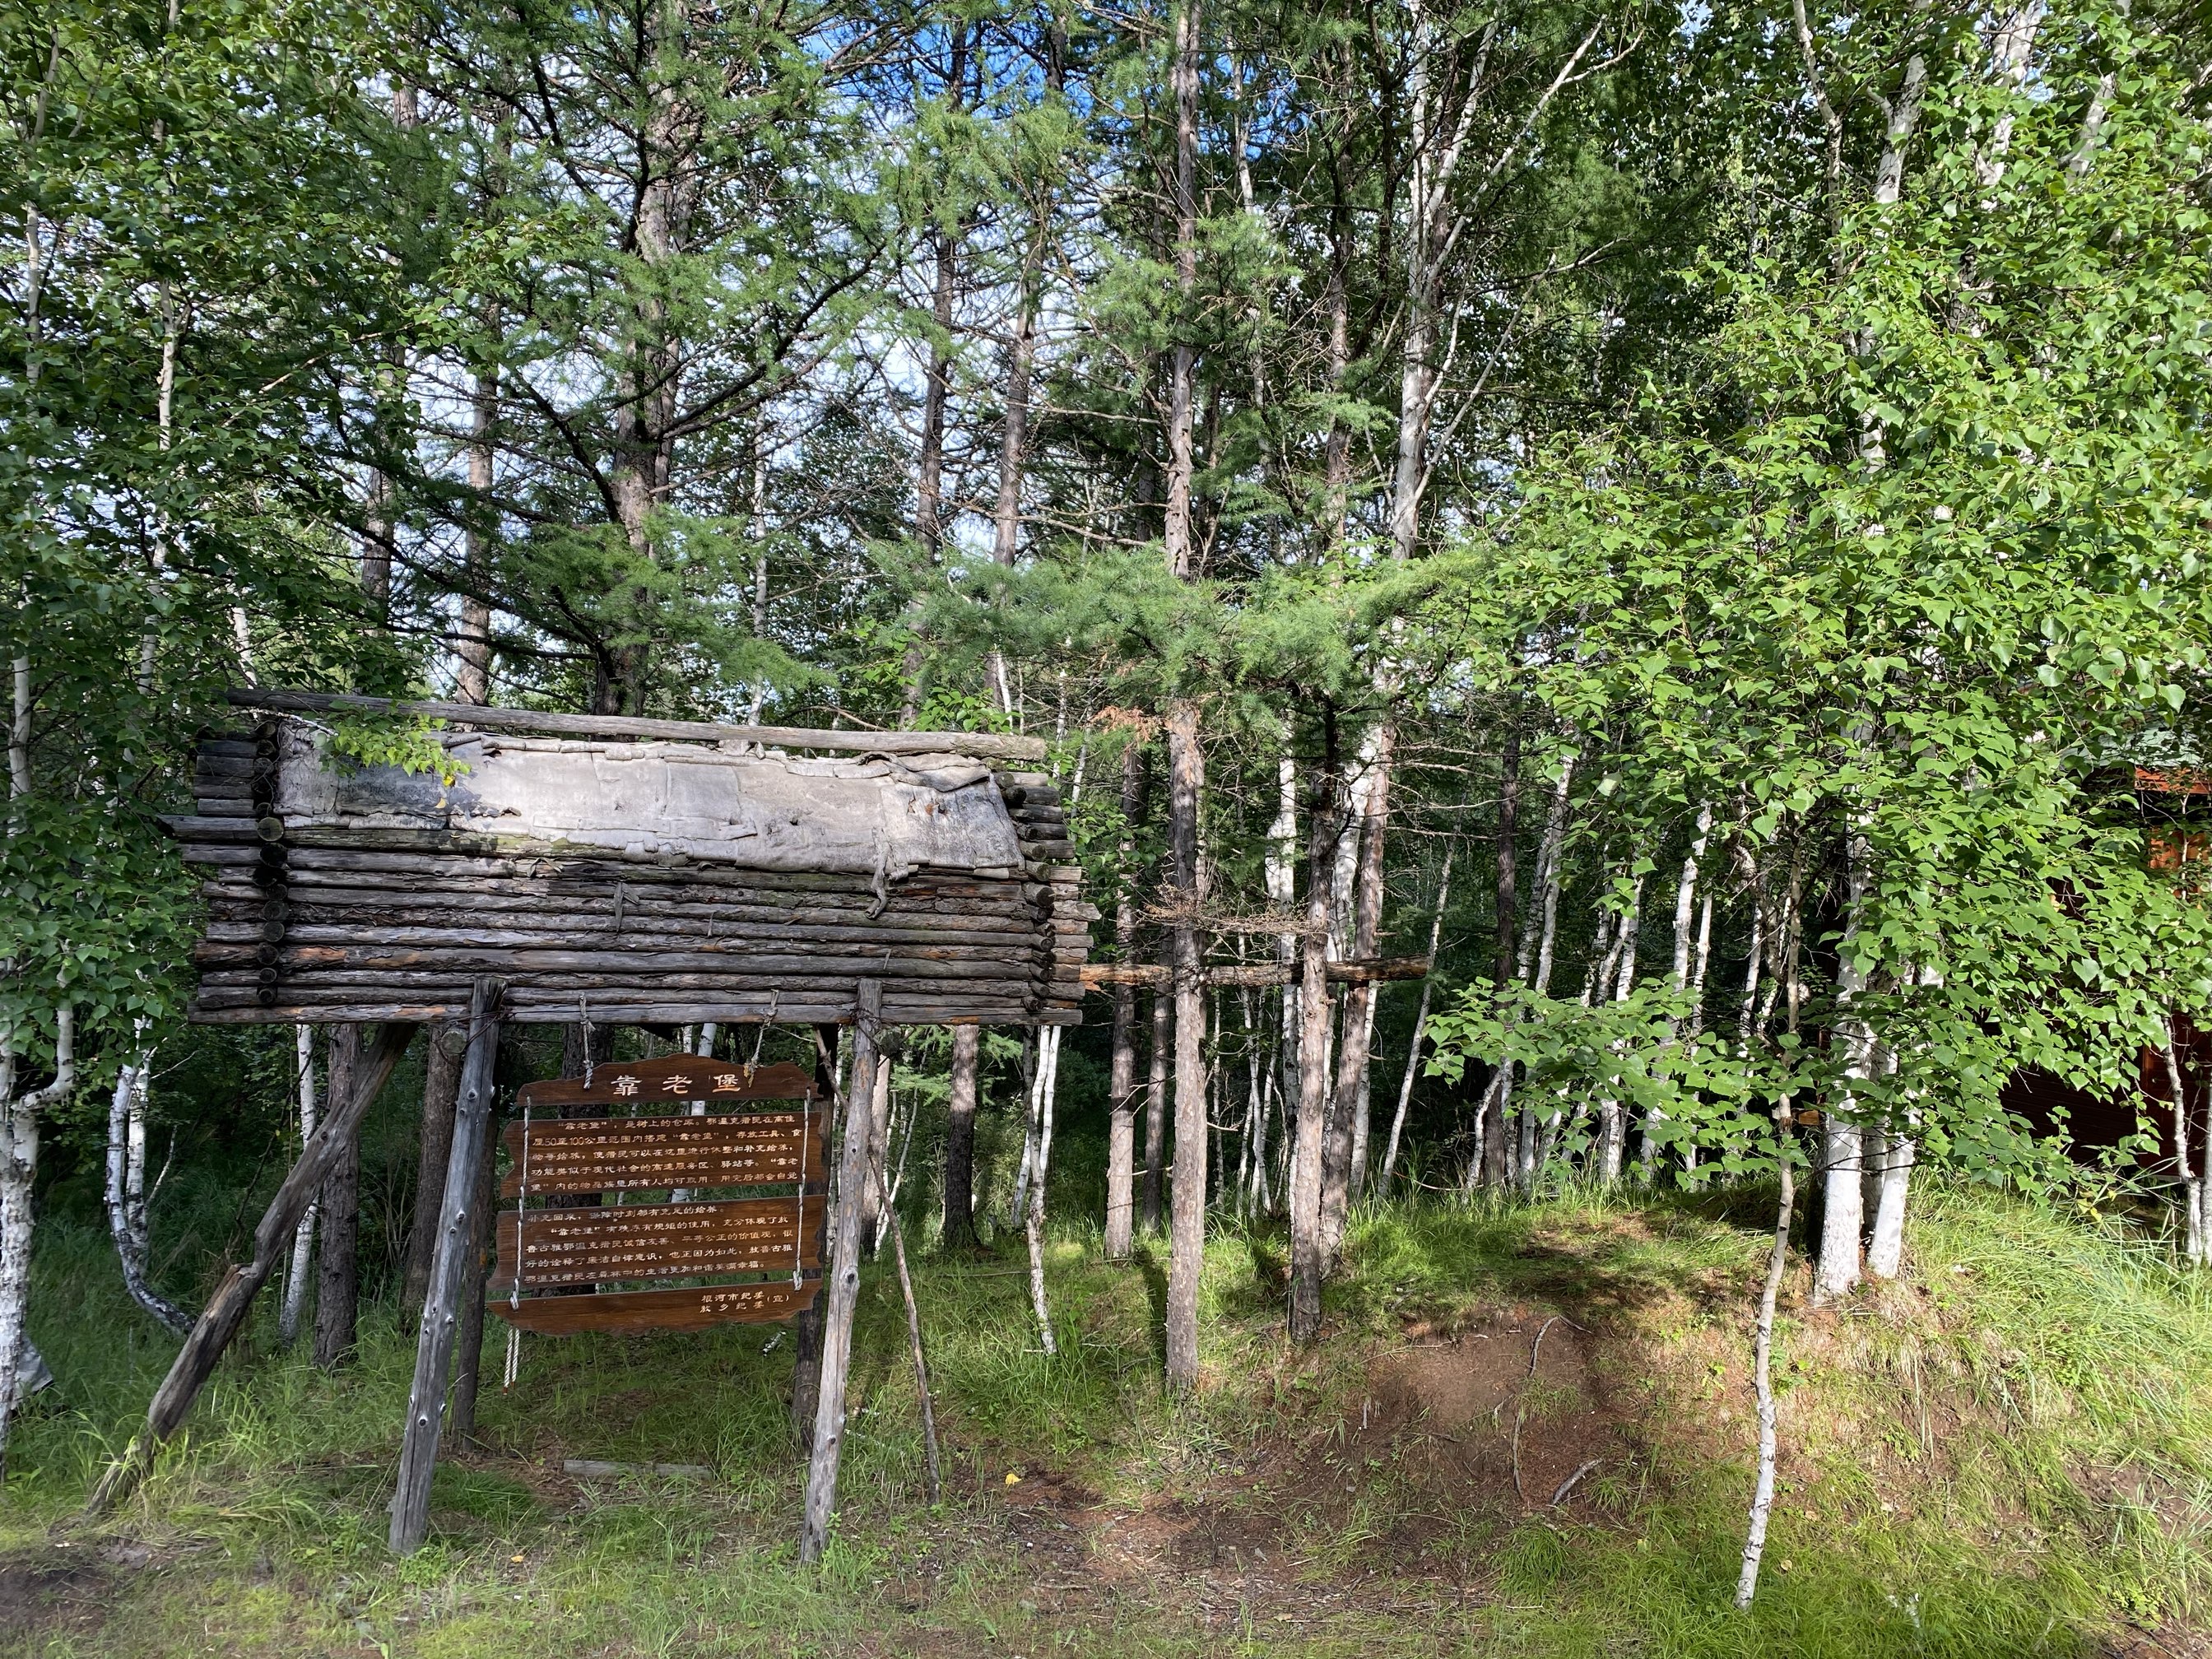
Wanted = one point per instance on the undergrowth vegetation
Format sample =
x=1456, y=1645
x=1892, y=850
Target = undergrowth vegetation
x=2010, y=1452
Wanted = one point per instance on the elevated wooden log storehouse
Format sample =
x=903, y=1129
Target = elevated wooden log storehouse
x=717, y=876
x=567, y=867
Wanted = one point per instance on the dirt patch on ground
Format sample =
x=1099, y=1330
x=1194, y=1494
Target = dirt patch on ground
x=1456, y=1437
x=2167, y=1642
x=1514, y=1413
x=66, y=1587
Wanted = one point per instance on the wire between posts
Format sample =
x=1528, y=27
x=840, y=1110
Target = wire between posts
x=774, y=1001
x=799, y=1223
x=522, y=1197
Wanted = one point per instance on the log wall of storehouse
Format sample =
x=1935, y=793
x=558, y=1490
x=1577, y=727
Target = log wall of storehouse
x=653, y=880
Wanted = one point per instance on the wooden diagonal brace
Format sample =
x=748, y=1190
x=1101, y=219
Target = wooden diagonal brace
x=226, y=1310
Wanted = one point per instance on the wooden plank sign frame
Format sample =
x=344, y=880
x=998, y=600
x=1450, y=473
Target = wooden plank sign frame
x=762, y=1302
x=591, y=1246
x=558, y=1248
x=671, y=1078
x=567, y=1156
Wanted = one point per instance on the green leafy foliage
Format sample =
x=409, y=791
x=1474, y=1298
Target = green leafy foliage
x=1911, y=567
x=412, y=745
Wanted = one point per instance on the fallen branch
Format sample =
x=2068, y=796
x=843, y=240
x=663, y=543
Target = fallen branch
x=1572, y=1481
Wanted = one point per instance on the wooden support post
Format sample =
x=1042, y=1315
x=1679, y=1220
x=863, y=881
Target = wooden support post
x=227, y=1308
x=442, y=1306
x=843, y=1276
x=441, y=1081
x=338, y=1277
x=806, y=1329
x=468, y=1354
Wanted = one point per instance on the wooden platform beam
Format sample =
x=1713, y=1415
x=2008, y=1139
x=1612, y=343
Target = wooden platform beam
x=1366, y=970
x=621, y=728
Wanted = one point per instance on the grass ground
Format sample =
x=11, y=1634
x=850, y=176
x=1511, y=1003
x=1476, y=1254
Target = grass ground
x=2008, y=1454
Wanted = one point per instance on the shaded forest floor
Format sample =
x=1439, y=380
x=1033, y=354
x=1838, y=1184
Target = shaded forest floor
x=1529, y=1432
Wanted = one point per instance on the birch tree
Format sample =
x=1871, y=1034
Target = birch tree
x=126, y=1193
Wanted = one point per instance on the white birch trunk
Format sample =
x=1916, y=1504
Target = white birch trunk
x=1019, y=1206
x=19, y=733
x=1686, y=895
x=1704, y=956
x=1786, y=971
x=1258, y=1199
x=19, y=1160
x=303, y=1236
x=2193, y=1184
x=2011, y=41
x=1613, y=1121
x=1605, y=946
x=1678, y=977
x=22, y=1371
x=1549, y=861
x=1836, y=1273
x=1041, y=1094
x=1360, y=1104
x=126, y=1194
x=1844, y=1217
x=2203, y=1166
x=1259, y=1109
x=1747, y=1012
x=19, y=1168
x=1762, y=1501
x=2204, y=1188
x=1900, y=1150
x=1346, y=869
x=1420, y=1025
x=1885, y=1248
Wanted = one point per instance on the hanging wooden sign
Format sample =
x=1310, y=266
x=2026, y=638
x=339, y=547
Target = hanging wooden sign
x=691, y=1155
